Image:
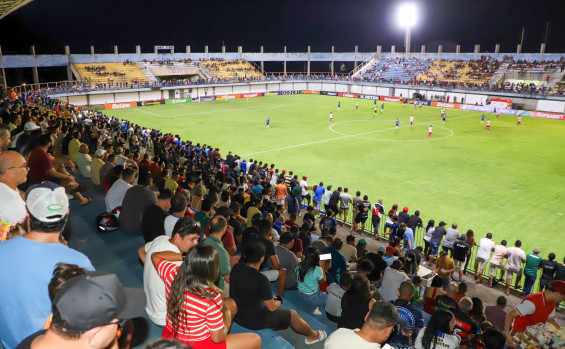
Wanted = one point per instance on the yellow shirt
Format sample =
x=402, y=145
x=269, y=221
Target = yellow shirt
x=95, y=167
x=74, y=144
x=171, y=184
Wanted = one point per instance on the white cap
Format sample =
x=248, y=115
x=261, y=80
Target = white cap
x=99, y=152
x=30, y=126
x=47, y=202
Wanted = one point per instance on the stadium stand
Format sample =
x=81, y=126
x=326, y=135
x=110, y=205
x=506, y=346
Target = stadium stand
x=393, y=70
x=468, y=73
x=231, y=69
x=111, y=73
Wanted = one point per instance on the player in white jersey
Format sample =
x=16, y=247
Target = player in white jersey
x=331, y=117
x=519, y=121
x=442, y=112
x=430, y=130
x=487, y=128
x=411, y=120
x=356, y=105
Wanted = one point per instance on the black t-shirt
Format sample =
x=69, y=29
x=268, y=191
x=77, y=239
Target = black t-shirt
x=26, y=343
x=438, y=234
x=416, y=253
x=379, y=266
x=334, y=199
x=464, y=326
x=246, y=233
x=250, y=289
x=364, y=207
x=403, y=217
x=353, y=311
x=152, y=222
x=413, y=222
x=460, y=249
x=560, y=272
x=310, y=217
x=269, y=247
x=548, y=269
x=445, y=302
x=236, y=227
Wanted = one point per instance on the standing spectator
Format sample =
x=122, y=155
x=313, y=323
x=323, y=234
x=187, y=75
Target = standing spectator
x=35, y=257
x=415, y=221
x=378, y=210
x=411, y=318
x=305, y=194
x=560, y=271
x=461, y=251
x=496, y=314
x=403, y=216
x=533, y=262
x=153, y=218
x=470, y=240
x=363, y=208
x=318, y=196
x=355, y=304
x=464, y=325
x=185, y=235
x=450, y=237
x=407, y=236
x=334, y=200
x=435, y=241
x=548, y=270
x=486, y=245
x=310, y=275
x=136, y=200
x=335, y=293
x=344, y=201
x=257, y=308
x=326, y=198
x=516, y=256
x=497, y=261
x=392, y=278
x=378, y=326
x=444, y=268
x=439, y=329
x=195, y=315
x=428, y=237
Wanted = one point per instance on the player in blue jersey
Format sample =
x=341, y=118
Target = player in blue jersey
x=397, y=123
x=338, y=105
x=483, y=118
x=443, y=117
x=382, y=108
x=268, y=121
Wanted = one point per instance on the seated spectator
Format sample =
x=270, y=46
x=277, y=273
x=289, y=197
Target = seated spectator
x=109, y=164
x=287, y=259
x=115, y=196
x=356, y=302
x=228, y=240
x=392, y=278
x=381, y=320
x=461, y=292
x=418, y=252
x=136, y=200
x=411, y=319
x=13, y=213
x=365, y=267
x=410, y=267
x=257, y=308
x=92, y=324
x=206, y=211
x=431, y=293
x=35, y=257
x=322, y=243
x=327, y=221
x=335, y=294
x=96, y=165
x=439, y=330
x=495, y=314
x=447, y=301
x=218, y=226
x=178, y=210
x=153, y=218
x=477, y=313
x=185, y=235
x=338, y=261
x=465, y=327
x=310, y=276
x=84, y=161
x=348, y=249
x=195, y=312
x=74, y=146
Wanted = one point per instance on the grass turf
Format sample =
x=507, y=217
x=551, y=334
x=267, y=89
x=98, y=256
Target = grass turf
x=508, y=182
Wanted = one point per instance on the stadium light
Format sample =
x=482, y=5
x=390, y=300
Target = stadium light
x=407, y=18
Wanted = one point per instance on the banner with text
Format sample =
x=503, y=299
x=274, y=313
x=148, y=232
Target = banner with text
x=177, y=101
x=544, y=115
x=299, y=92
x=390, y=99
x=309, y=92
x=348, y=95
x=120, y=105
x=446, y=105
x=369, y=97
x=501, y=103
x=146, y=103
x=271, y=94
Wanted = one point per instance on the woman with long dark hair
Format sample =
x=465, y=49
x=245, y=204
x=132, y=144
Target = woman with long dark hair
x=355, y=303
x=439, y=329
x=411, y=266
x=431, y=293
x=427, y=237
x=477, y=313
x=310, y=275
x=196, y=313
x=471, y=241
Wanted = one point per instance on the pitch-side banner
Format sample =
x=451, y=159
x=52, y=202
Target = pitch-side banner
x=348, y=95
x=369, y=97
x=299, y=92
x=146, y=103
x=390, y=99
x=271, y=93
x=544, y=115
x=446, y=105
x=177, y=101
x=120, y=105
x=310, y=92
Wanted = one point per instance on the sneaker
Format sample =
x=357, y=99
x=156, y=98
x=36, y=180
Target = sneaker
x=70, y=197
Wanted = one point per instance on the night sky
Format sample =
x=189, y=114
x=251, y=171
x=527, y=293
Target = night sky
x=50, y=24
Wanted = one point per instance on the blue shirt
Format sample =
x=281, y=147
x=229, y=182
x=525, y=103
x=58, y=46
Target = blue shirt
x=411, y=321
x=319, y=192
x=243, y=166
x=408, y=235
x=27, y=270
x=257, y=189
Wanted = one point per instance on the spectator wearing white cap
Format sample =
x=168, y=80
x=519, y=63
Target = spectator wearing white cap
x=23, y=287
x=96, y=165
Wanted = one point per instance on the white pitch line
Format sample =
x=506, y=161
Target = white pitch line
x=349, y=136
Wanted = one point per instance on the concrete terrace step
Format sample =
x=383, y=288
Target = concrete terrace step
x=269, y=338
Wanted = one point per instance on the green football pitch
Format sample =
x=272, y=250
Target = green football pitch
x=510, y=181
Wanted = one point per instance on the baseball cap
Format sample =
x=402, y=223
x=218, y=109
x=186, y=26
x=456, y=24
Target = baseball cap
x=558, y=286
x=99, y=152
x=389, y=249
x=381, y=249
x=405, y=209
x=96, y=298
x=30, y=126
x=362, y=242
x=441, y=223
x=304, y=177
x=47, y=202
x=463, y=237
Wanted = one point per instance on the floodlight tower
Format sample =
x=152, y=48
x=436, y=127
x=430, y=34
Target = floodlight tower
x=407, y=18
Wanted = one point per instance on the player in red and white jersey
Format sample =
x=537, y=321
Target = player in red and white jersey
x=519, y=121
x=331, y=117
x=411, y=120
x=487, y=128
x=442, y=112
x=356, y=105
x=430, y=131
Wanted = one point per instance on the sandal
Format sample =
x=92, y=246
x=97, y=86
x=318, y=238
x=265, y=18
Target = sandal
x=88, y=201
x=321, y=336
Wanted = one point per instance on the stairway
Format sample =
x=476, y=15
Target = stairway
x=500, y=73
x=147, y=72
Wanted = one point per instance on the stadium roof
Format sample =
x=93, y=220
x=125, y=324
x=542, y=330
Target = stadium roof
x=9, y=6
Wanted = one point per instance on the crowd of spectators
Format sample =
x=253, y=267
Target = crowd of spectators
x=210, y=221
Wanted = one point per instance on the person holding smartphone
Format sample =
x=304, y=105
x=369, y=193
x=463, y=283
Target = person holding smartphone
x=311, y=274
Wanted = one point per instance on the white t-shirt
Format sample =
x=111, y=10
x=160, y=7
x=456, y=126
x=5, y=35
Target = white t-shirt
x=515, y=258
x=346, y=338
x=327, y=196
x=430, y=129
x=304, y=184
x=445, y=341
x=169, y=224
x=485, y=246
x=391, y=282
x=411, y=119
x=274, y=178
x=333, y=303
x=84, y=165
x=12, y=206
x=153, y=285
x=331, y=116
x=115, y=194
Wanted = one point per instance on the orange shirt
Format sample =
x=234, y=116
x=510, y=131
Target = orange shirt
x=281, y=190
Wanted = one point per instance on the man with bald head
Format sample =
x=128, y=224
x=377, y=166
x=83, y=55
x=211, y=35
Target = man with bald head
x=84, y=161
x=13, y=171
x=5, y=137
